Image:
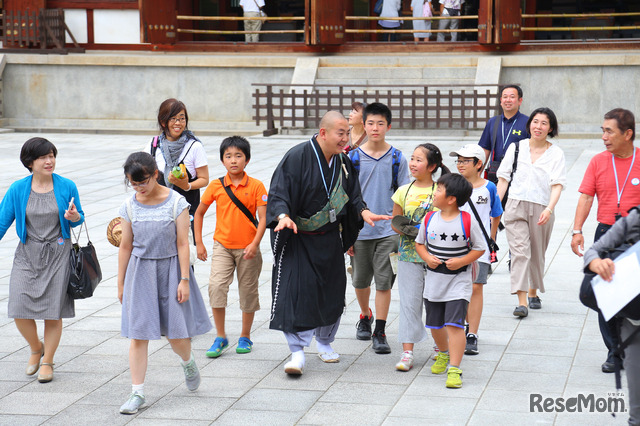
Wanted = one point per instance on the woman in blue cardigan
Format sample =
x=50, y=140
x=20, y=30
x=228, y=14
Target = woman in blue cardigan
x=44, y=206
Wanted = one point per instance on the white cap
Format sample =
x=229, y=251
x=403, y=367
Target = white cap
x=470, y=150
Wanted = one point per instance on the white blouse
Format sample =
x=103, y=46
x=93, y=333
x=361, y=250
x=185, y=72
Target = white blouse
x=532, y=181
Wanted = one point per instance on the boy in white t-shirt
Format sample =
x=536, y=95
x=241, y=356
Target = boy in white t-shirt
x=449, y=241
x=486, y=201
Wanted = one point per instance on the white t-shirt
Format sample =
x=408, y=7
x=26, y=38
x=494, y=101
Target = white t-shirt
x=250, y=5
x=532, y=181
x=195, y=158
x=453, y=4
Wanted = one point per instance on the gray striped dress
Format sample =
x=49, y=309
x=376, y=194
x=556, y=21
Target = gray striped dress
x=40, y=274
x=150, y=307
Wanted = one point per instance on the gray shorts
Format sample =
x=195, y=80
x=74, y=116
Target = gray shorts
x=483, y=273
x=371, y=261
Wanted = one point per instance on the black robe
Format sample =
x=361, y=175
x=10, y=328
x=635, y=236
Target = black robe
x=308, y=278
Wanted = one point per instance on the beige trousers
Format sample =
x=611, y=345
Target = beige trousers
x=252, y=26
x=528, y=243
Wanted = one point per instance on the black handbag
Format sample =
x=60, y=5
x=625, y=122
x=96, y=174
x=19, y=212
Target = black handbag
x=85, y=272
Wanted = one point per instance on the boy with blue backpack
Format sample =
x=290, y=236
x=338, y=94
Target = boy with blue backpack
x=381, y=169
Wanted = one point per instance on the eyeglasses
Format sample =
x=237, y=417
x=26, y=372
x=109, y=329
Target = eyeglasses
x=173, y=120
x=464, y=161
x=140, y=184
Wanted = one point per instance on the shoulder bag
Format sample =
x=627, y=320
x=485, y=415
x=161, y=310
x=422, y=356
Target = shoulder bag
x=238, y=203
x=85, y=273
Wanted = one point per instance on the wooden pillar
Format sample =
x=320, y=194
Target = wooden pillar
x=530, y=8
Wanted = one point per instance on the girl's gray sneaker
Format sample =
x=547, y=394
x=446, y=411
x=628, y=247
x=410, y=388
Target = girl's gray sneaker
x=135, y=401
x=191, y=374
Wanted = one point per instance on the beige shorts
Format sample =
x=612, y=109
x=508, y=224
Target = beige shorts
x=223, y=262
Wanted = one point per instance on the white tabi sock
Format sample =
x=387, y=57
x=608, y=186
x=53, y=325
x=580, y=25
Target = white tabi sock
x=324, y=348
x=298, y=358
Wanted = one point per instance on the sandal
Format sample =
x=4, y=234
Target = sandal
x=46, y=378
x=220, y=344
x=33, y=368
x=329, y=357
x=244, y=345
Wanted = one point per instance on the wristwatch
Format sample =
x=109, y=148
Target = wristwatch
x=576, y=232
x=282, y=216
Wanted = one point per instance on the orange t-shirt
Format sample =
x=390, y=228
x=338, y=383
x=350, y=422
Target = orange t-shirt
x=233, y=228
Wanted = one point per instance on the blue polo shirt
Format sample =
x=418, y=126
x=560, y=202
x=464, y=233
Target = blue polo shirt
x=508, y=131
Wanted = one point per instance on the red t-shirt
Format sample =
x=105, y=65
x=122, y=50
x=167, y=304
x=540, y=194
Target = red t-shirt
x=599, y=181
x=233, y=229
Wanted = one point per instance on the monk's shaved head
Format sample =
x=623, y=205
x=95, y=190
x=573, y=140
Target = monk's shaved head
x=329, y=119
x=333, y=134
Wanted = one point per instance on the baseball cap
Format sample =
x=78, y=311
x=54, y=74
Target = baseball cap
x=470, y=150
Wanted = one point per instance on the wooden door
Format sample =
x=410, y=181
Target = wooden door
x=158, y=21
x=485, y=22
x=24, y=5
x=508, y=20
x=326, y=22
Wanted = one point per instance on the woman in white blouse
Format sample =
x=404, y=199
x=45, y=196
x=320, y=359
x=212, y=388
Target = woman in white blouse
x=536, y=184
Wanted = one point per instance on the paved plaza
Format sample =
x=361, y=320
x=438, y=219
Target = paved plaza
x=555, y=352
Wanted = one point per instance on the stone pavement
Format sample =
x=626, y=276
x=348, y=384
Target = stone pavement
x=555, y=352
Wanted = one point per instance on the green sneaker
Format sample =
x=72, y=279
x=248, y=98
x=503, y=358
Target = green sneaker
x=454, y=378
x=440, y=366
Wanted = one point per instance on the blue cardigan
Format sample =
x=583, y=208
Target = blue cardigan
x=14, y=205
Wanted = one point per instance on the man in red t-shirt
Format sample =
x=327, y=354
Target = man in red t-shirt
x=613, y=176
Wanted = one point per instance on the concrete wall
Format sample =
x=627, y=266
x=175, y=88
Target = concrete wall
x=579, y=88
x=578, y=96
x=98, y=93
x=122, y=91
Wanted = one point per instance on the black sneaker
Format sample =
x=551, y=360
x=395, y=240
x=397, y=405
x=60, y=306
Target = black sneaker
x=380, y=345
x=472, y=345
x=364, y=328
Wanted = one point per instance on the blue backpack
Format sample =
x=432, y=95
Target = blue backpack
x=395, y=165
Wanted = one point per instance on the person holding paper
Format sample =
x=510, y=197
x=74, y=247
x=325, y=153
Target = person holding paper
x=615, y=167
x=625, y=229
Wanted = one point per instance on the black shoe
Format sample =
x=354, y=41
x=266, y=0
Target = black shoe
x=535, y=303
x=608, y=367
x=380, y=345
x=466, y=329
x=472, y=345
x=521, y=311
x=364, y=328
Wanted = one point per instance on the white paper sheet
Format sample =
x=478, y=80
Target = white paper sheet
x=623, y=288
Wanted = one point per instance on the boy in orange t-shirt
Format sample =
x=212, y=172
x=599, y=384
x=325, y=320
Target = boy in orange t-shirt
x=236, y=243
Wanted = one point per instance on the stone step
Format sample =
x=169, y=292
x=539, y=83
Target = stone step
x=397, y=73
x=373, y=83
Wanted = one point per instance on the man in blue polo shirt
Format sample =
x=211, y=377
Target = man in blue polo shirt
x=503, y=129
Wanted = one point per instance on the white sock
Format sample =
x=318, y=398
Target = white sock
x=298, y=357
x=184, y=363
x=324, y=348
x=138, y=388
